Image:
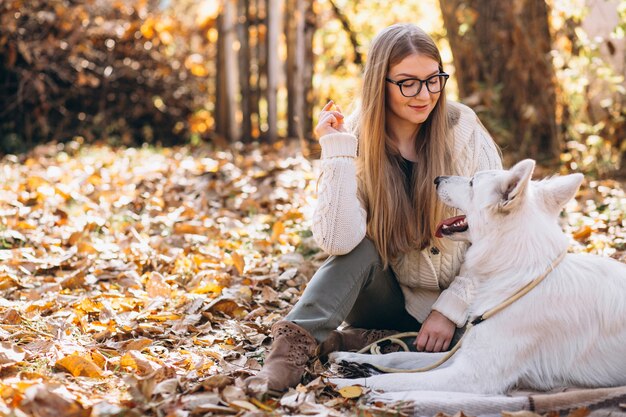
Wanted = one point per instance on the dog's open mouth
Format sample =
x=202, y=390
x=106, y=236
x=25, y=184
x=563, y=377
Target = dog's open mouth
x=451, y=226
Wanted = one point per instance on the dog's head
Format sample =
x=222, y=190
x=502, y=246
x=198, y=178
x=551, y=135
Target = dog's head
x=490, y=198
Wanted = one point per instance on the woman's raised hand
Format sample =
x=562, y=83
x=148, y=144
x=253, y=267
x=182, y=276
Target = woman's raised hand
x=330, y=121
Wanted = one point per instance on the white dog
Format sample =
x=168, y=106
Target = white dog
x=569, y=330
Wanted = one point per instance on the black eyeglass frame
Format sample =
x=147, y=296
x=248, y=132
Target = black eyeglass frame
x=419, y=90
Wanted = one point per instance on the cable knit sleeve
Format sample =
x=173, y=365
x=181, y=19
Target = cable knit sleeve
x=339, y=219
x=454, y=301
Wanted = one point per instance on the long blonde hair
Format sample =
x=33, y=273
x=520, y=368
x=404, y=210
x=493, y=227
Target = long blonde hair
x=399, y=218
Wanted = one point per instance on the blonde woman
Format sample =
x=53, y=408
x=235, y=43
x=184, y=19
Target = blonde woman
x=377, y=213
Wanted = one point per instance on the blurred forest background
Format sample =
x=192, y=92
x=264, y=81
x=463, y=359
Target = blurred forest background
x=546, y=77
x=158, y=178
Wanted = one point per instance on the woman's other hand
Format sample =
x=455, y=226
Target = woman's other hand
x=436, y=333
x=330, y=121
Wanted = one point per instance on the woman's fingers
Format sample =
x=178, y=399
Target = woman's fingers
x=337, y=114
x=420, y=341
x=439, y=345
x=446, y=345
x=430, y=346
x=329, y=121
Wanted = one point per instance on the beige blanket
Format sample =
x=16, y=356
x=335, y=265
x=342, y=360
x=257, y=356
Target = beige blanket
x=602, y=402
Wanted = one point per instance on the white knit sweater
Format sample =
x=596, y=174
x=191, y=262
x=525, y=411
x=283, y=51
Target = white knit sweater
x=430, y=279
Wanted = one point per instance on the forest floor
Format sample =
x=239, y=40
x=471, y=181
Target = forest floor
x=143, y=282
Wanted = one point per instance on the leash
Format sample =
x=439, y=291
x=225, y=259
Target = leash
x=375, y=349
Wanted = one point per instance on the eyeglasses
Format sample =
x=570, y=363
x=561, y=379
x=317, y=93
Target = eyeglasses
x=411, y=87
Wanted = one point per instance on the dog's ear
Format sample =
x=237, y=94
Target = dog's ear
x=516, y=184
x=560, y=190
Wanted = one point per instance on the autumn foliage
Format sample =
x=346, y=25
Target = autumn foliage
x=145, y=281
x=118, y=71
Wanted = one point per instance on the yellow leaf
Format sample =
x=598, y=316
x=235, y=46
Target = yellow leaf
x=79, y=366
x=244, y=405
x=353, y=391
x=261, y=405
x=89, y=306
x=208, y=287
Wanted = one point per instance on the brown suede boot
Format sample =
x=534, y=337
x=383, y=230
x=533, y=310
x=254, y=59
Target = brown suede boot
x=353, y=339
x=291, y=349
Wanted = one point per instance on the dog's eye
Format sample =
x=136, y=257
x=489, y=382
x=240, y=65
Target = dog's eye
x=472, y=182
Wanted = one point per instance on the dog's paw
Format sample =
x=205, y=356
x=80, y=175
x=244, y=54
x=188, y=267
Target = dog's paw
x=352, y=369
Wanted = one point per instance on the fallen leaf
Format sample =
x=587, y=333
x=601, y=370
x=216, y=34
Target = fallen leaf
x=239, y=262
x=244, y=405
x=136, y=344
x=157, y=286
x=135, y=360
x=582, y=233
x=579, y=412
x=261, y=405
x=78, y=365
x=352, y=391
x=277, y=230
x=10, y=354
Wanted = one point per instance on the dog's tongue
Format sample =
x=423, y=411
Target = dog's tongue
x=447, y=222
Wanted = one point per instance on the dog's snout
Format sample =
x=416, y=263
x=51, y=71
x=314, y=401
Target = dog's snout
x=438, y=180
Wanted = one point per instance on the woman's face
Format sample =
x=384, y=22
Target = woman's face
x=411, y=110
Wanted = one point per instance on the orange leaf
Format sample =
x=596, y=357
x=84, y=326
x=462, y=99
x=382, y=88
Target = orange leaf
x=163, y=317
x=228, y=307
x=138, y=362
x=157, y=287
x=239, y=262
x=582, y=233
x=277, y=230
x=79, y=366
x=136, y=344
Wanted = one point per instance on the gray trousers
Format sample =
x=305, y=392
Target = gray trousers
x=353, y=288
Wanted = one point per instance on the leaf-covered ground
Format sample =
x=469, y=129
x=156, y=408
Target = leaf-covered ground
x=145, y=281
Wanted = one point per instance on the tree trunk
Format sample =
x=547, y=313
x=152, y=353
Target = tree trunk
x=295, y=67
x=310, y=26
x=244, y=67
x=226, y=109
x=274, y=25
x=502, y=60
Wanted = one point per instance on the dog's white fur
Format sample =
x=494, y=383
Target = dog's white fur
x=570, y=330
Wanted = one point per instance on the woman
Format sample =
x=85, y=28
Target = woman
x=377, y=213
